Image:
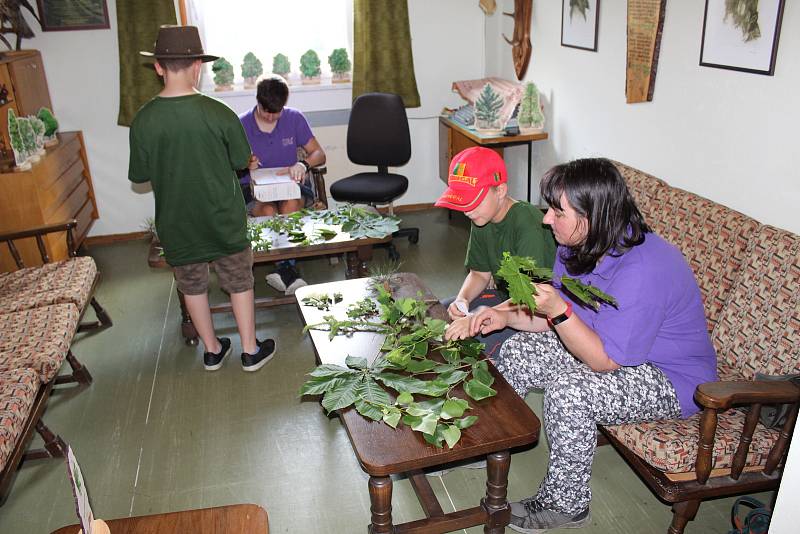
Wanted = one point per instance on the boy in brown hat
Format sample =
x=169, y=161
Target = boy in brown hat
x=189, y=146
x=477, y=186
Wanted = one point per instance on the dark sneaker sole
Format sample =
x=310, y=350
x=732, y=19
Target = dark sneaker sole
x=572, y=524
x=216, y=367
x=262, y=363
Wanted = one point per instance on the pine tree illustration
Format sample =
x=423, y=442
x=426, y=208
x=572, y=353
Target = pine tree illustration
x=488, y=105
x=28, y=137
x=530, y=113
x=16, y=136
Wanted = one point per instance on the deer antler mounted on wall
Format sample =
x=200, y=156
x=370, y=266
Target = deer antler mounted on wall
x=521, y=43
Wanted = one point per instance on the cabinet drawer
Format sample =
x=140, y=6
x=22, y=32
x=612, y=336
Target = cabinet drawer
x=71, y=206
x=55, y=195
x=84, y=218
x=62, y=158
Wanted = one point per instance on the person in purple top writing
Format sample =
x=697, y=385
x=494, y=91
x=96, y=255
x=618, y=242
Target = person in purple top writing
x=639, y=360
x=275, y=132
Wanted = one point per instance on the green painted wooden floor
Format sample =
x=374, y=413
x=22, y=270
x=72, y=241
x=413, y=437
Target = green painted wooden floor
x=157, y=433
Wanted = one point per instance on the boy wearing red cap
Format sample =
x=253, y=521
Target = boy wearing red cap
x=477, y=186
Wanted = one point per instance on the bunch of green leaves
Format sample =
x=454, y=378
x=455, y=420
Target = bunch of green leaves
x=363, y=308
x=254, y=234
x=358, y=222
x=411, y=337
x=322, y=301
x=521, y=273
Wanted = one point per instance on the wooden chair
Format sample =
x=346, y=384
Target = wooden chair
x=317, y=180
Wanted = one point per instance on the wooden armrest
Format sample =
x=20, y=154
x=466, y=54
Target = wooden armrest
x=724, y=395
x=39, y=230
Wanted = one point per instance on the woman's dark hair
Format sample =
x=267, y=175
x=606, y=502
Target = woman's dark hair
x=272, y=92
x=596, y=190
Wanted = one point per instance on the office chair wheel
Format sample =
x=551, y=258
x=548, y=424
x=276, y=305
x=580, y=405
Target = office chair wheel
x=393, y=254
x=414, y=238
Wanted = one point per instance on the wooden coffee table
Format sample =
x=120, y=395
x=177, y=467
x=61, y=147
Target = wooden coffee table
x=357, y=252
x=504, y=422
x=232, y=519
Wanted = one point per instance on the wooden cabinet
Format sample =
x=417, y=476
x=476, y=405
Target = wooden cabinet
x=56, y=189
x=22, y=75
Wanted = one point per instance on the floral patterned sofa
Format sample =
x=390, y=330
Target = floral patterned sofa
x=749, y=276
x=40, y=311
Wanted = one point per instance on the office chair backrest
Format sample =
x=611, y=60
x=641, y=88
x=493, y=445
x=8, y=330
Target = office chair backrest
x=377, y=133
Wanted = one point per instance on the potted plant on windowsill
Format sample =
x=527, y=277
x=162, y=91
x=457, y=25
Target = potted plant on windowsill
x=309, y=68
x=251, y=69
x=340, y=65
x=281, y=66
x=223, y=75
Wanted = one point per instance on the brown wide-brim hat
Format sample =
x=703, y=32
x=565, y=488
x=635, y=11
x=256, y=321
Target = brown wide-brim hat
x=179, y=42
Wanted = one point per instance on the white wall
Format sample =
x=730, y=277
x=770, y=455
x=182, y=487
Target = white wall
x=726, y=135
x=82, y=70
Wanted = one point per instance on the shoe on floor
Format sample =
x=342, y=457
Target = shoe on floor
x=530, y=517
x=480, y=464
x=254, y=362
x=275, y=282
x=283, y=277
x=213, y=361
x=294, y=286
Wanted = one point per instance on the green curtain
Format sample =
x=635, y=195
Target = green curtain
x=137, y=27
x=382, y=60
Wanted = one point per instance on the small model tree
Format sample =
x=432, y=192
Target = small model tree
x=251, y=69
x=49, y=120
x=530, y=109
x=28, y=139
x=20, y=156
x=340, y=65
x=223, y=74
x=38, y=132
x=309, y=67
x=281, y=65
x=487, y=109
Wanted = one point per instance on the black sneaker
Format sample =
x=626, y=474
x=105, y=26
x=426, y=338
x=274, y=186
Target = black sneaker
x=531, y=517
x=254, y=362
x=213, y=361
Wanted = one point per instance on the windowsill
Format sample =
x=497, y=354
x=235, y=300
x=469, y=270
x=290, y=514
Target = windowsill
x=325, y=96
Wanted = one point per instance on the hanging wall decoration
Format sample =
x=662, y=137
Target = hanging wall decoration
x=645, y=24
x=579, y=23
x=521, y=42
x=741, y=35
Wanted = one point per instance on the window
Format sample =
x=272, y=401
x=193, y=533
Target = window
x=268, y=27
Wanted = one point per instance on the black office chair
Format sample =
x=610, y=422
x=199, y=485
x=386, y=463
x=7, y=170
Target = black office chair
x=377, y=134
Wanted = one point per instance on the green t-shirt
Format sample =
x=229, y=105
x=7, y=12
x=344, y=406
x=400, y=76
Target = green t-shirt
x=520, y=233
x=188, y=147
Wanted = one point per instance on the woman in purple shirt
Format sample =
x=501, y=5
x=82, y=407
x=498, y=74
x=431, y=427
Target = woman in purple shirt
x=640, y=360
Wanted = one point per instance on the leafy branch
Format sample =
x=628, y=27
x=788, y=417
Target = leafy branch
x=411, y=336
x=521, y=274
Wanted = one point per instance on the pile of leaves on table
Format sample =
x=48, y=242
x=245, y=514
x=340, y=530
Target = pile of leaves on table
x=358, y=222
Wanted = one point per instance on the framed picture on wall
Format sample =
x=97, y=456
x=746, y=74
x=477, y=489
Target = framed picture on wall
x=64, y=15
x=741, y=35
x=579, y=23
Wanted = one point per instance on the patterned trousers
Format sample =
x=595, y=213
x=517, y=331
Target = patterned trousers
x=576, y=399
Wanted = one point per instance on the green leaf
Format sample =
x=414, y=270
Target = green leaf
x=405, y=398
x=417, y=411
x=451, y=354
x=399, y=356
x=426, y=425
x=471, y=348
x=421, y=348
x=318, y=385
x=451, y=435
x=391, y=417
x=435, y=388
x=329, y=369
x=437, y=438
x=480, y=372
x=420, y=366
x=368, y=410
x=436, y=327
x=454, y=408
x=356, y=363
x=343, y=395
x=465, y=422
x=402, y=383
x=452, y=377
x=434, y=405
x=520, y=287
x=370, y=390
x=587, y=294
x=478, y=390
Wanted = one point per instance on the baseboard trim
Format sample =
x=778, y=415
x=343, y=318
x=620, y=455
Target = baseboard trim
x=116, y=238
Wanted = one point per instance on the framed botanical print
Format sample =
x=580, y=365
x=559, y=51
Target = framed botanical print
x=63, y=15
x=741, y=35
x=579, y=23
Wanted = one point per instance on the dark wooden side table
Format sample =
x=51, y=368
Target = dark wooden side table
x=232, y=519
x=357, y=252
x=504, y=422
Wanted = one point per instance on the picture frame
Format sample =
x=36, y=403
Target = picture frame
x=66, y=15
x=732, y=40
x=579, y=21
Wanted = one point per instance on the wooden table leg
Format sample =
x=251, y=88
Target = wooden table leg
x=187, y=327
x=495, y=502
x=380, y=495
x=364, y=257
x=351, y=265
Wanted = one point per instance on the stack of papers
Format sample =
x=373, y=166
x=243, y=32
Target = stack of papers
x=269, y=186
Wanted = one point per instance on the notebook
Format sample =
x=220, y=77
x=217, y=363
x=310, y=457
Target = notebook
x=269, y=186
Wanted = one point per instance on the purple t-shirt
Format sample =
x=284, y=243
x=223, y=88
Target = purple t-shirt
x=279, y=147
x=659, y=317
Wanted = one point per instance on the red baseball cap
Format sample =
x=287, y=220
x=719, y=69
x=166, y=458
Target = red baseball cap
x=472, y=172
